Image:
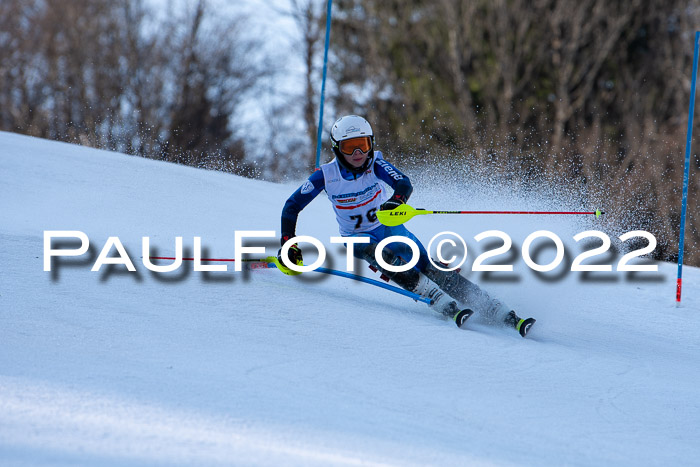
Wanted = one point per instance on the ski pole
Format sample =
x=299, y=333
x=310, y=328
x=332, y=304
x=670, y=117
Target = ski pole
x=269, y=262
x=404, y=213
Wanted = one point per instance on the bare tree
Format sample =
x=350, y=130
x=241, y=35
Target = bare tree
x=112, y=74
x=582, y=92
x=308, y=16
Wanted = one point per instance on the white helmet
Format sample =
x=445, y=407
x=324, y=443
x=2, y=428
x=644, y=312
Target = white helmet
x=350, y=127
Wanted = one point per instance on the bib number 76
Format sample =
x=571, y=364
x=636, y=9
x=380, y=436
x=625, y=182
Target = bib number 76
x=371, y=217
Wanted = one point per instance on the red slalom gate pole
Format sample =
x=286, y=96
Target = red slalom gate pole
x=260, y=263
x=203, y=259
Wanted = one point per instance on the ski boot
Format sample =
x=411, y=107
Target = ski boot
x=521, y=325
x=462, y=316
x=441, y=302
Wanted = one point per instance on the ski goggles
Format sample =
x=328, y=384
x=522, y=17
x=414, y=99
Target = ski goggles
x=348, y=146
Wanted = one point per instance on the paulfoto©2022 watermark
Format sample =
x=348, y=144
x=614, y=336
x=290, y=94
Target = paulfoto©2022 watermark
x=442, y=241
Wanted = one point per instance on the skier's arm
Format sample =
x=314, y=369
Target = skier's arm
x=396, y=180
x=298, y=201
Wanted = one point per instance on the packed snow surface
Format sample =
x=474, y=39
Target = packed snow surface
x=257, y=368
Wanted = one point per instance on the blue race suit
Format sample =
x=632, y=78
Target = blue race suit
x=355, y=202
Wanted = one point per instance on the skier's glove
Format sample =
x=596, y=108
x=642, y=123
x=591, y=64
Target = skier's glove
x=293, y=254
x=393, y=203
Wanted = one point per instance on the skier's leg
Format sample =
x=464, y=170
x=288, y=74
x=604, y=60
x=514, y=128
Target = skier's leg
x=394, y=253
x=411, y=280
x=407, y=280
x=476, y=298
x=469, y=294
x=403, y=250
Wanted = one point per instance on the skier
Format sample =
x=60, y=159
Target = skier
x=352, y=182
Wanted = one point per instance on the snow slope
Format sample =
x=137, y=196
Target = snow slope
x=257, y=368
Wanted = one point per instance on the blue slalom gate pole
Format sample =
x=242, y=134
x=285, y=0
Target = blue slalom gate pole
x=686, y=174
x=269, y=263
x=366, y=280
x=323, y=84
